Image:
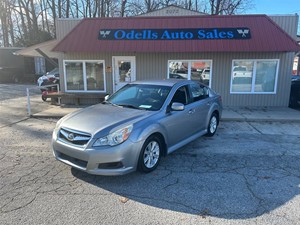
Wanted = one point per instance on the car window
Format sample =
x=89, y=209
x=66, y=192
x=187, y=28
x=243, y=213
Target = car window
x=198, y=92
x=181, y=95
x=128, y=93
x=141, y=96
x=206, y=71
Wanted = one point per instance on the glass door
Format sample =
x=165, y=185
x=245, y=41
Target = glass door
x=123, y=71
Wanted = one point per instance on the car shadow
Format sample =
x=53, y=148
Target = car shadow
x=226, y=181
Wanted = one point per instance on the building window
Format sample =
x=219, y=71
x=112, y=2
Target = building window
x=84, y=76
x=254, y=76
x=94, y=76
x=191, y=70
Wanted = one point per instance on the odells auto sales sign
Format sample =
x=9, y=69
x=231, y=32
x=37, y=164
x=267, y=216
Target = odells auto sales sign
x=175, y=34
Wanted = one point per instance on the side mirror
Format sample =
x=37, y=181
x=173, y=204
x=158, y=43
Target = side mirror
x=106, y=97
x=176, y=106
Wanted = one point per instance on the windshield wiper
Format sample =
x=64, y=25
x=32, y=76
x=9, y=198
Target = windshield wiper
x=109, y=103
x=129, y=106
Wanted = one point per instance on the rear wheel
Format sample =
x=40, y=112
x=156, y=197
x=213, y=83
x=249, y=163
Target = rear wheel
x=212, y=125
x=150, y=154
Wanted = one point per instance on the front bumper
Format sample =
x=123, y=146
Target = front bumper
x=107, y=160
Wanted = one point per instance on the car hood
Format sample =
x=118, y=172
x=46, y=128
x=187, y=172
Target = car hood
x=102, y=116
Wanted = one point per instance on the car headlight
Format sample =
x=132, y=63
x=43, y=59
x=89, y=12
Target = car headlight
x=114, y=138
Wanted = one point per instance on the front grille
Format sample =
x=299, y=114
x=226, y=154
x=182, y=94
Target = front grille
x=73, y=160
x=74, y=137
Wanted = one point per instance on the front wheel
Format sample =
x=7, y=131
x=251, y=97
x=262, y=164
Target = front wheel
x=44, y=98
x=212, y=125
x=150, y=154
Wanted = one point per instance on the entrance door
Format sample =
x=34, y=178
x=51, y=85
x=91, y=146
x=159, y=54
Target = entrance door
x=123, y=70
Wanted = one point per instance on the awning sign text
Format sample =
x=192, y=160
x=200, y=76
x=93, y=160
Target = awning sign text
x=175, y=34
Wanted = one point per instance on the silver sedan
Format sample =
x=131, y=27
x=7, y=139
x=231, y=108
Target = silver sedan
x=133, y=128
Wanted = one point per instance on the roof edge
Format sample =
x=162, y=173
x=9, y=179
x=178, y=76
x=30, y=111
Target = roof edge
x=171, y=17
x=297, y=47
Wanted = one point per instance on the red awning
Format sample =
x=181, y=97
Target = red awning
x=266, y=35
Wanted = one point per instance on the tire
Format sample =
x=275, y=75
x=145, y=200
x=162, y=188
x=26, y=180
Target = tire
x=293, y=102
x=212, y=125
x=44, y=98
x=150, y=154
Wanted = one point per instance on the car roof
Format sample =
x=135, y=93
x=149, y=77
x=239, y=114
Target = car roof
x=166, y=82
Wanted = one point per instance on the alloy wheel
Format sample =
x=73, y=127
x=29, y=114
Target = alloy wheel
x=151, y=154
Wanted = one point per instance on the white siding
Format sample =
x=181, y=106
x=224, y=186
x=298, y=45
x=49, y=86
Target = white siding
x=64, y=26
x=289, y=23
x=173, y=11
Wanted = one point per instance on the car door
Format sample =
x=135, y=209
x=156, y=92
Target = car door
x=180, y=124
x=201, y=103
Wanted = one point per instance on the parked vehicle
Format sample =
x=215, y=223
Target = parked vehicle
x=205, y=75
x=50, y=88
x=241, y=72
x=48, y=78
x=179, y=74
x=295, y=93
x=136, y=126
x=48, y=83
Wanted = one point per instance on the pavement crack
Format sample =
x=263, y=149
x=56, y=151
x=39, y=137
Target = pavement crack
x=14, y=123
x=14, y=208
x=172, y=184
x=254, y=195
x=250, y=124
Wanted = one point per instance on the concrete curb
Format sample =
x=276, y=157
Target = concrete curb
x=259, y=120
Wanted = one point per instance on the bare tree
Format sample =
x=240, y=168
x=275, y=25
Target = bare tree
x=123, y=7
x=25, y=22
x=151, y=5
x=139, y=7
x=228, y=7
x=166, y=3
x=4, y=7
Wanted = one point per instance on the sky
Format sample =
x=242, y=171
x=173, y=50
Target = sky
x=275, y=7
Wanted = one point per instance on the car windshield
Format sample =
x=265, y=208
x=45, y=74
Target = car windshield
x=140, y=96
